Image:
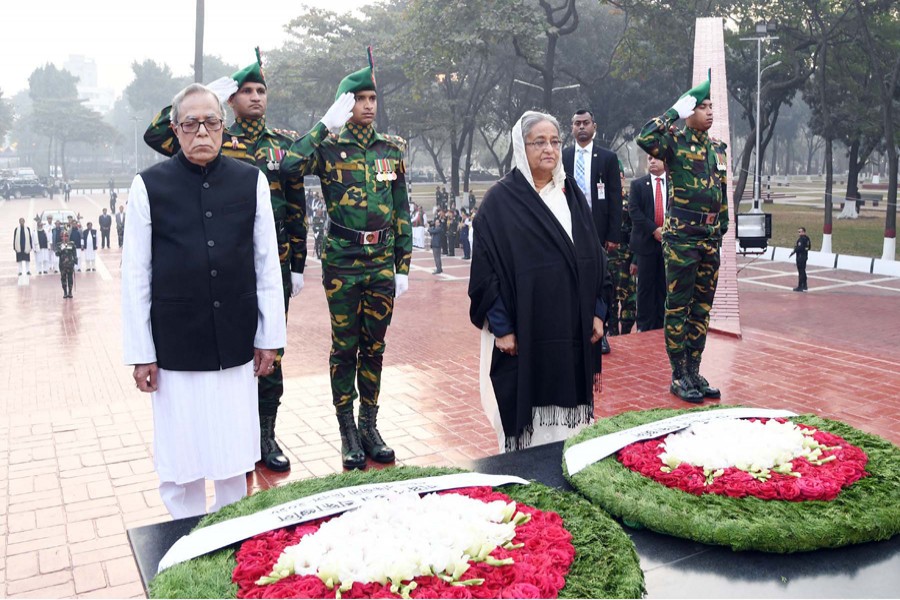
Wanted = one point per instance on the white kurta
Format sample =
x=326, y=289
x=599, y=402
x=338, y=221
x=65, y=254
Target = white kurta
x=89, y=252
x=205, y=423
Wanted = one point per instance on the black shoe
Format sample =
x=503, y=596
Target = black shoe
x=270, y=451
x=437, y=271
x=604, y=345
x=372, y=444
x=28, y=273
x=699, y=381
x=352, y=454
x=798, y=289
x=682, y=385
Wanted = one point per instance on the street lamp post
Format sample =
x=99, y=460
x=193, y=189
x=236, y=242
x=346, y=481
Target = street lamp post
x=762, y=31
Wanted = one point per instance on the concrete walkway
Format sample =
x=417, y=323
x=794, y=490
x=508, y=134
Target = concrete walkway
x=76, y=437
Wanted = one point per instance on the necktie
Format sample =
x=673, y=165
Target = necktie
x=658, y=204
x=580, y=174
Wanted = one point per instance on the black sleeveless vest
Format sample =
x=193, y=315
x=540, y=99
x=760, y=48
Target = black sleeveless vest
x=203, y=311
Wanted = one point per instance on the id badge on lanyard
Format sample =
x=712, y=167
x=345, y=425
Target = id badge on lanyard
x=601, y=191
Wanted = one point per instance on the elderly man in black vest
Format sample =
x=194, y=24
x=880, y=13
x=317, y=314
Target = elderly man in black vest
x=202, y=306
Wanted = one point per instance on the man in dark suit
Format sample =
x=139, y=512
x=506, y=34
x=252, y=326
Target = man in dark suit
x=647, y=208
x=596, y=171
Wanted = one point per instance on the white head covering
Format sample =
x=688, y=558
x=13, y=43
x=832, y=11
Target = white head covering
x=552, y=194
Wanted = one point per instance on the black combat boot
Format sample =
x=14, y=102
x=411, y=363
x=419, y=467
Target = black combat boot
x=682, y=385
x=352, y=455
x=271, y=453
x=699, y=381
x=372, y=443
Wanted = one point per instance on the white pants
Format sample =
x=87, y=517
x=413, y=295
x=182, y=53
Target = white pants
x=24, y=266
x=418, y=234
x=44, y=260
x=80, y=266
x=189, y=499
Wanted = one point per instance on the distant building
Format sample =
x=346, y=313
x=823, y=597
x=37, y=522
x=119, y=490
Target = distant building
x=85, y=69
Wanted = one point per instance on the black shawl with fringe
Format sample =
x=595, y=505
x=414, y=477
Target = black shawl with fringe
x=550, y=286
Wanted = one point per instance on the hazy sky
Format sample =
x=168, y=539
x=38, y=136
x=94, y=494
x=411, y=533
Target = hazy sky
x=117, y=32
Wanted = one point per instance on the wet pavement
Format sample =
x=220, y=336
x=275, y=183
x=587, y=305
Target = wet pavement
x=76, y=436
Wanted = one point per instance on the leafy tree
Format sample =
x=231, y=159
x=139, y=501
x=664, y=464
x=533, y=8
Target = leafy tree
x=880, y=27
x=6, y=117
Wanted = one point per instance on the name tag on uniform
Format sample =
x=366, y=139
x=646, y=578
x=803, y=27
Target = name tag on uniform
x=601, y=191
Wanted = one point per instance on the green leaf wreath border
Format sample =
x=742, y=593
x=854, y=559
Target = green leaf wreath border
x=606, y=564
x=867, y=511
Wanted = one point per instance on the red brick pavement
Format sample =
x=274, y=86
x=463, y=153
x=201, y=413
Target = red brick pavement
x=76, y=437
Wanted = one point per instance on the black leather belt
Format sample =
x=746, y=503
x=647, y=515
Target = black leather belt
x=694, y=217
x=363, y=238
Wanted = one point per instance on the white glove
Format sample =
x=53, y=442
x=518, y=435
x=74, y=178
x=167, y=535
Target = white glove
x=685, y=106
x=296, y=283
x=223, y=88
x=340, y=112
x=401, y=284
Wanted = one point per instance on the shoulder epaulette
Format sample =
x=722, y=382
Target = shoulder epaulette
x=288, y=133
x=396, y=140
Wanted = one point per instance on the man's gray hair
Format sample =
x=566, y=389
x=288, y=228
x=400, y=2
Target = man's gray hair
x=194, y=88
x=531, y=118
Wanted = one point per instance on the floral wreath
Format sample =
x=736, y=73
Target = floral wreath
x=864, y=507
x=605, y=562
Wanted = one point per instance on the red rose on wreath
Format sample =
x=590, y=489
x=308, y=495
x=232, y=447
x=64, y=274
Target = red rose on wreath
x=817, y=481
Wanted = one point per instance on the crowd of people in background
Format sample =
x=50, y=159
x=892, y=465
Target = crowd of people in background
x=64, y=247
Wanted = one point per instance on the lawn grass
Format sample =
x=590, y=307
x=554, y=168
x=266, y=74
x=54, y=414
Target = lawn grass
x=857, y=237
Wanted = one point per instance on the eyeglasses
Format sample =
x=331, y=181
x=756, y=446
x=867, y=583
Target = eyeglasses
x=193, y=126
x=541, y=144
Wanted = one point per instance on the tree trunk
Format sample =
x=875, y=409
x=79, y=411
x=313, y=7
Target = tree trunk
x=468, y=171
x=62, y=159
x=456, y=147
x=829, y=177
x=435, y=159
x=853, y=167
x=773, y=169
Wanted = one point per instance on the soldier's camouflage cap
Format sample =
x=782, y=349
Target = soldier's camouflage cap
x=700, y=92
x=251, y=73
x=358, y=81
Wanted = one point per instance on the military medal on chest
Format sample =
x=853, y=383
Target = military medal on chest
x=383, y=170
x=275, y=156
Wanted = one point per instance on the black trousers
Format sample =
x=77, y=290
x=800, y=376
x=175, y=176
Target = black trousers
x=121, y=234
x=68, y=281
x=651, y=291
x=801, y=271
x=467, y=249
x=104, y=238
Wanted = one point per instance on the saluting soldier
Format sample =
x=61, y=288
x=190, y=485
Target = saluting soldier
x=624, y=302
x=696, y=221
x=249, y=139
x=365, y=263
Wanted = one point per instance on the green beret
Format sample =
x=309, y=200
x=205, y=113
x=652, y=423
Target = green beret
x=700, y=92
x=251, y=73
x=358, y=81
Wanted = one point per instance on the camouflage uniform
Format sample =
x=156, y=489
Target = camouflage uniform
x=623, y=310
x=68, y=258
x=254, y=143
x=695, y=222
x=358, y=277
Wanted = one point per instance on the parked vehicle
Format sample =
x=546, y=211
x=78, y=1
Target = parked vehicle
x=25, y=188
